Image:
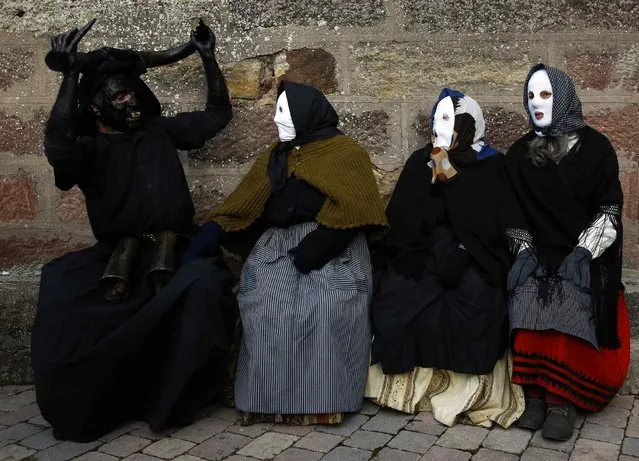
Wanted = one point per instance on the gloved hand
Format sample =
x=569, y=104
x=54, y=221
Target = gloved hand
x=62, y=56
x=205, y=243
x=203, y=38
x=300, y=261
x=525, y=264
x=453, y=267
x=576, y=267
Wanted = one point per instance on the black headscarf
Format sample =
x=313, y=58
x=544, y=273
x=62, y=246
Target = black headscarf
x=314, y=119
x=566, y=105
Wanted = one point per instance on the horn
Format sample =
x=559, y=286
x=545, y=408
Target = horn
x=162, y=58
x=88, y=61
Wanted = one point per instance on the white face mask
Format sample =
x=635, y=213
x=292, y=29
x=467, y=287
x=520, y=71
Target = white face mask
x=540, y=98
x=283, y=119
x=444, y=124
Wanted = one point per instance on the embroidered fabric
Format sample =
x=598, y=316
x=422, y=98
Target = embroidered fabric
x=602, y=231
x=518, y=240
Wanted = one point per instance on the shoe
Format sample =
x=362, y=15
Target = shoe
x=534, y=414
x=560, y=422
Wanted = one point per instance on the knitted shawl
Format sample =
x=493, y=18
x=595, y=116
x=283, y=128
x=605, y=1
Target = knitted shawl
x=338, y=167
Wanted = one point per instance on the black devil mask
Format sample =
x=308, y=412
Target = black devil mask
x=116, y=104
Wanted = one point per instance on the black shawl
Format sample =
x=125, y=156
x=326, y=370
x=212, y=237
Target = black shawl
x=473, y=203
x=559, y=201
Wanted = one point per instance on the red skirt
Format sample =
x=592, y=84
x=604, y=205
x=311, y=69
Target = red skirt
x=572, y=368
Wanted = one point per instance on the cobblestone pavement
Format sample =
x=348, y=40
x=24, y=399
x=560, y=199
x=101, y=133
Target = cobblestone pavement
x=373, y=434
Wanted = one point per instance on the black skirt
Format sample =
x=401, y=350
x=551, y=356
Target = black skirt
x=157, y=358
x=428, y=324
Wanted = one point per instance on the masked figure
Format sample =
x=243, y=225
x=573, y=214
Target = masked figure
x=439, y=308
x=306, y=286
x=568, y=316
x=121, y=331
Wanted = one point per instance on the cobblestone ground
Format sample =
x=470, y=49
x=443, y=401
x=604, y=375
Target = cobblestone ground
x=373, y=434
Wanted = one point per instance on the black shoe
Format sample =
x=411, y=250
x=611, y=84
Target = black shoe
x=534, y=414
x=560, y=422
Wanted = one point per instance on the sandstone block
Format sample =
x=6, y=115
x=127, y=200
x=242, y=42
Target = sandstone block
x=18, y=198
x=517, y=16
x=72, y=207
x=249, y=14
x=16, y=65
x=249, y=133
x=602, y=65
x=315, y=67
x=245, y=79
x=375, y=127
x=395, y=70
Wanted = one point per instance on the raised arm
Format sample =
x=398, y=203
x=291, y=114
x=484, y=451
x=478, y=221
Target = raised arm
x=62, y=150
x=192, y=129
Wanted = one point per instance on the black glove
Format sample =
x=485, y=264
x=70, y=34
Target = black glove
x=525, y=264
x=64, y=47
x=453, y=267
x=205, y=243
x=320, y=246
x=576, y=267
x=299, y=261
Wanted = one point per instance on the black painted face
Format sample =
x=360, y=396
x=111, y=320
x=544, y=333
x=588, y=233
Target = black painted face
x=116, y=105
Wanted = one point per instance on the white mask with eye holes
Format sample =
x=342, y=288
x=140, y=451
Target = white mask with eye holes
x=540, y=98
x=444, y=124
x=283, y=119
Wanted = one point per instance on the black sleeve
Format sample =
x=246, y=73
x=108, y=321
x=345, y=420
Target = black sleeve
x=322, y=245
x=70, y=159
x=513, y=220
x=190, y=130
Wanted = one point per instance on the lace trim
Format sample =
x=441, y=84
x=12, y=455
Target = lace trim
x=518, y=239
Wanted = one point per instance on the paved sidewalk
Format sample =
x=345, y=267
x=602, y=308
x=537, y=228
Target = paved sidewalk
x=370, y=435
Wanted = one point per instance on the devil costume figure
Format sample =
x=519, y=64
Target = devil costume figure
x=306, y=286
x=567, y=311
x=121, y=332
x=439, y=308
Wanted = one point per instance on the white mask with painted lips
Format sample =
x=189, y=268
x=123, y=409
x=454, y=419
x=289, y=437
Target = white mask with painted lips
x=283, y=119
x=540, y=99
x=444, y=123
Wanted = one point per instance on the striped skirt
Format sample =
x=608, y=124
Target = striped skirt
x=306, y=338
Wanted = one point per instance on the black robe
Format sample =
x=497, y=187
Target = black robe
x=559, y=201
x=459, y=324
x=157, y=358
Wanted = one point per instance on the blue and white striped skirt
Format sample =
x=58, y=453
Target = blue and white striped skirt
x=306, y=342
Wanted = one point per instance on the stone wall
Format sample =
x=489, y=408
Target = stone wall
x=382, y=63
